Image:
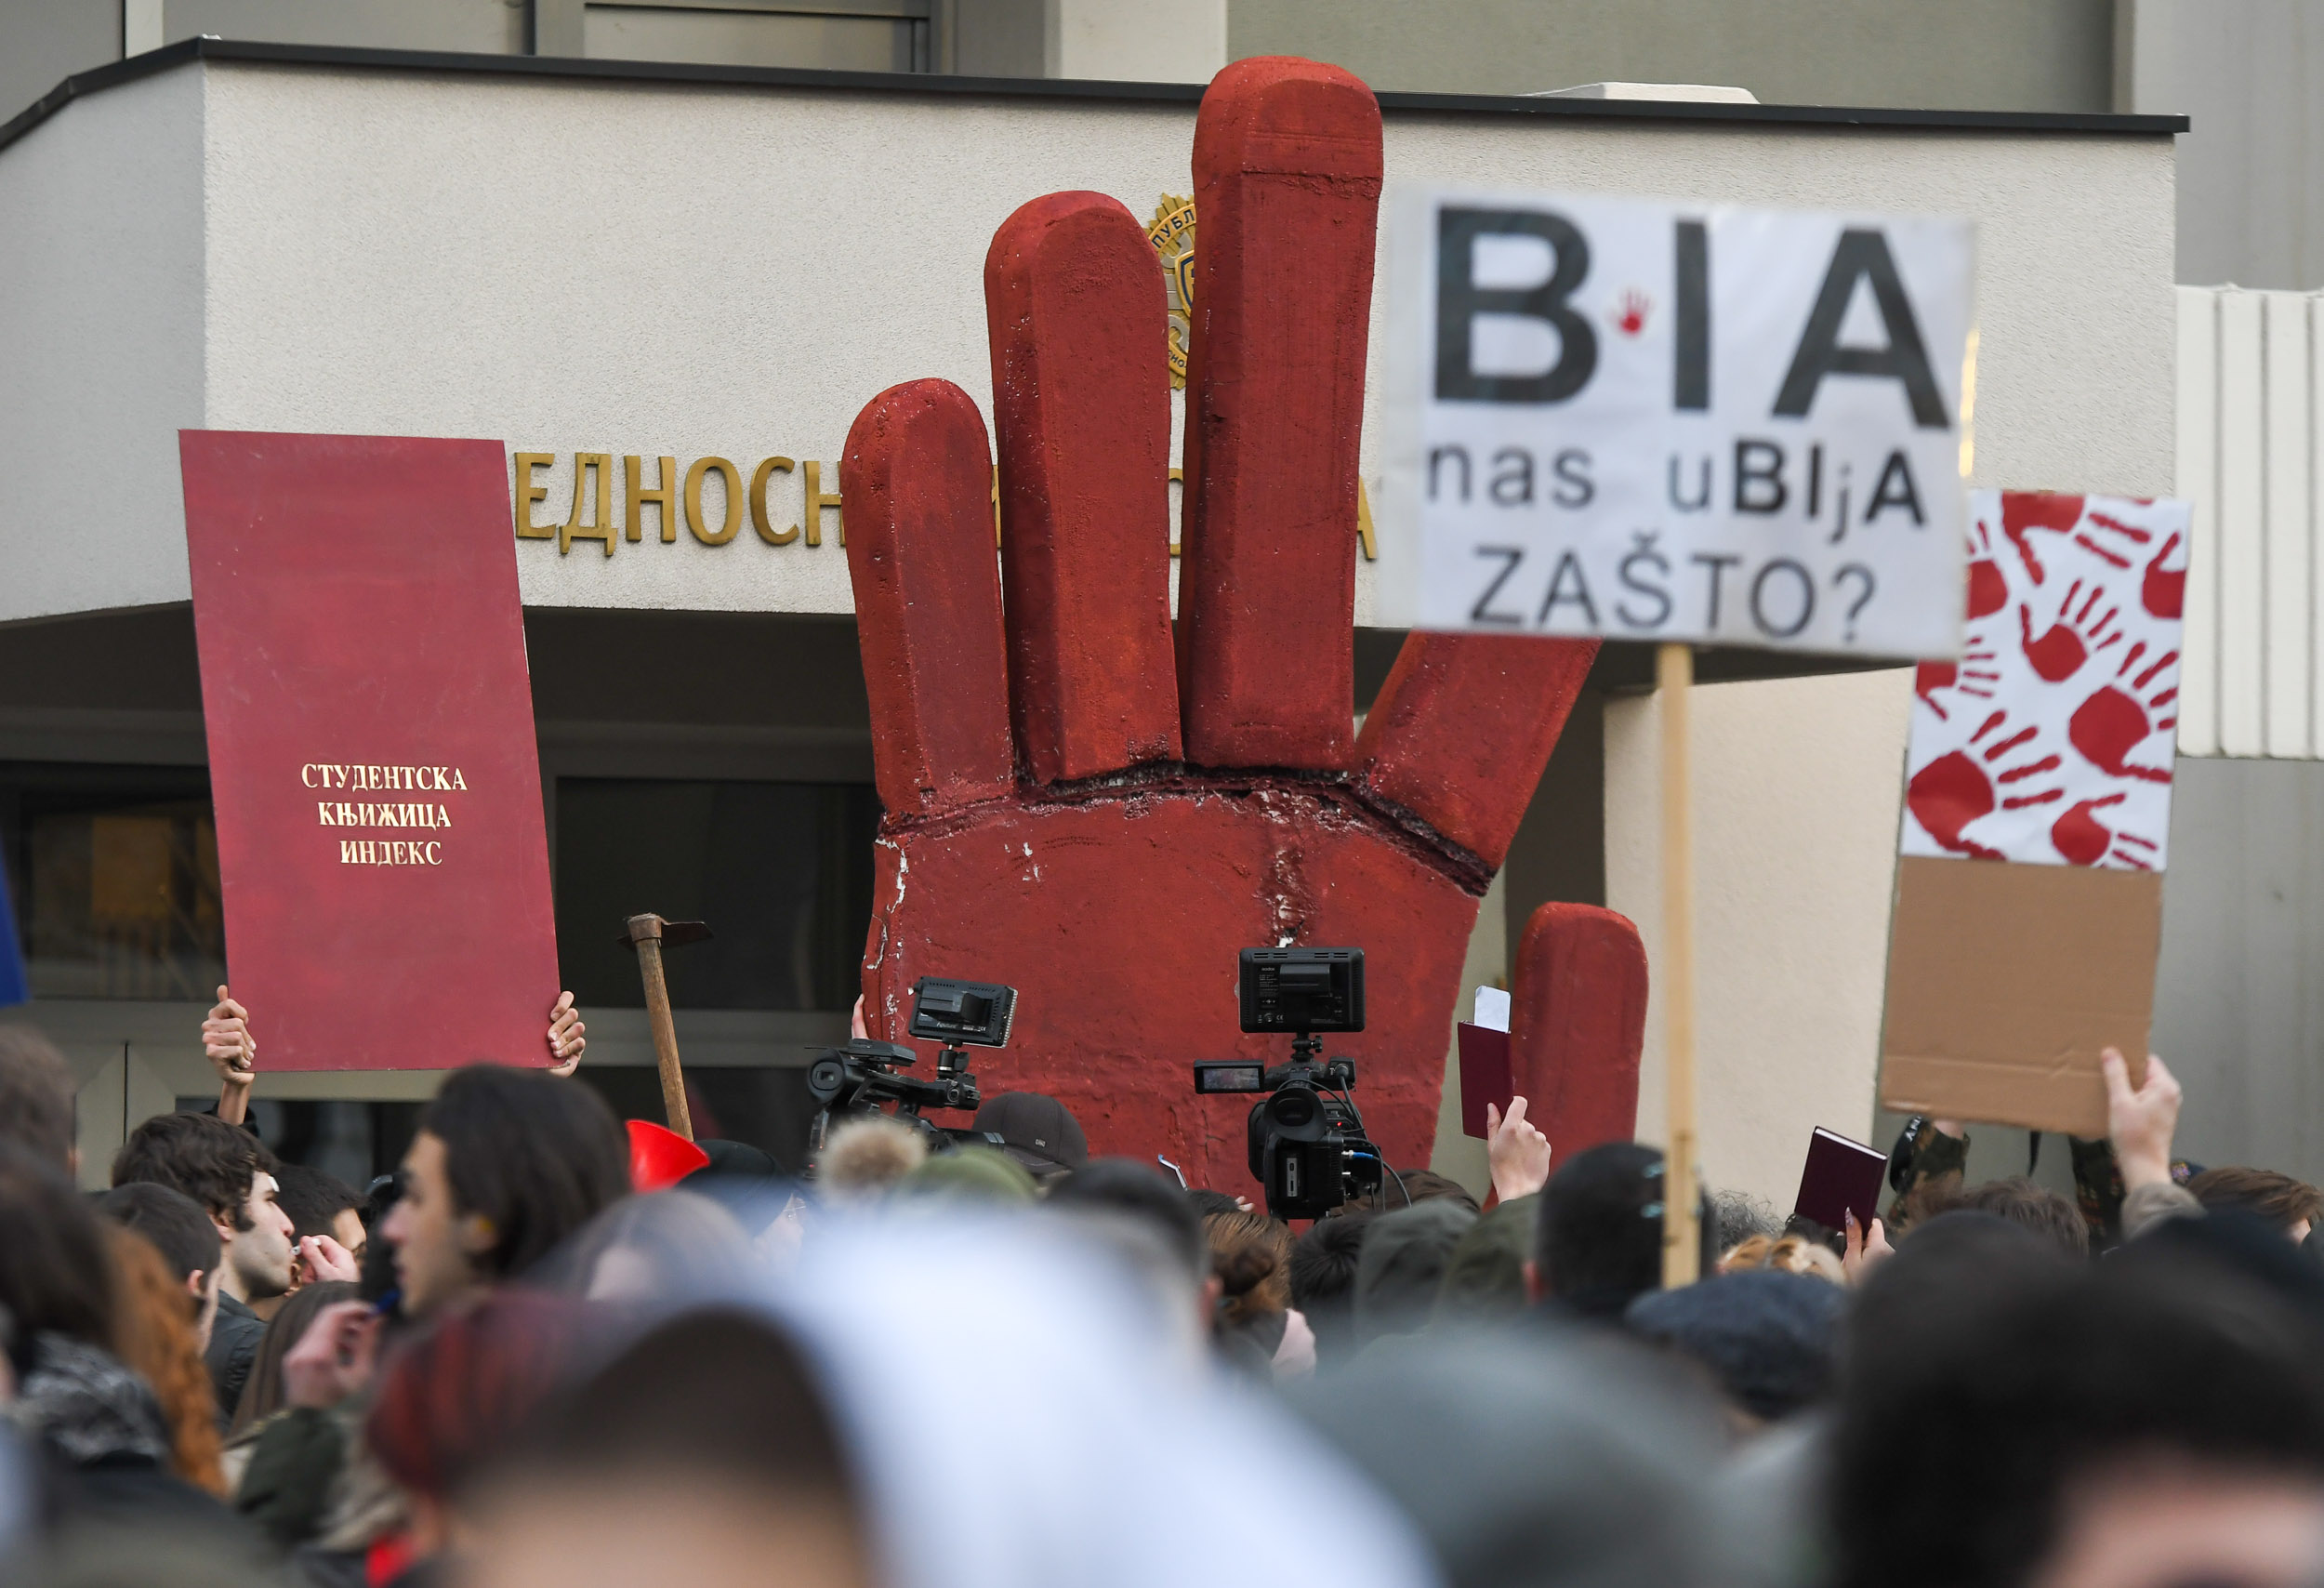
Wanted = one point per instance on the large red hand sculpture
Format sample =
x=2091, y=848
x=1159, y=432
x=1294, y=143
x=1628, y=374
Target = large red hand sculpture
x=1074, y=810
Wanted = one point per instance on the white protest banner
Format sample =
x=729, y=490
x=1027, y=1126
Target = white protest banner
x=1665, y=421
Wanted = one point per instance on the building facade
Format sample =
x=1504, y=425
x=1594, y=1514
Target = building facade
x=666, y=290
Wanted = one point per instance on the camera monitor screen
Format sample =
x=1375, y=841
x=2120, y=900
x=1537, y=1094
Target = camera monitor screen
x=1302, y=989
x=976, y=1013
x=1230, y=1076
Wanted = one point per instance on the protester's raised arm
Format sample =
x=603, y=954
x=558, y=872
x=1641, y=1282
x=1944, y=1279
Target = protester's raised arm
x=1518, y=1152
x=2140, y=1123
x=2139, y=1126
x=226, y=1042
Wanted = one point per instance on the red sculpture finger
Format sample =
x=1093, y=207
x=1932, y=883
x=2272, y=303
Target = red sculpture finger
x=1463, y=727
x=1287, y=183
x=1075, y=304
x=1577, y=1024
x=918, y=479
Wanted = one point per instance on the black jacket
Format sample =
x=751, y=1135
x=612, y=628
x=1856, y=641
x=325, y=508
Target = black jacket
x=234, y=1347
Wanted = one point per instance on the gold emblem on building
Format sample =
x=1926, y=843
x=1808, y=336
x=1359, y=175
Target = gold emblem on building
x=1172, y=235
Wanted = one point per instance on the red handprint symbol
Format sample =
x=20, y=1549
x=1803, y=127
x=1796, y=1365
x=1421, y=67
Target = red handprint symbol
x=1945, y=796
x=1989, y=587
x=1955, y=790
x=1071, y=809
x=2083, y=840
x=1973, y=675
x=1632, y=317
x=2025, y=512
x=2114, y=722
x=2073, y=639
x=2105, y=523
x=2163, y=591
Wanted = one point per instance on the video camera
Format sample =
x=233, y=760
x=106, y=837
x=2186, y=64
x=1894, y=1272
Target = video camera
x=1307, y=1146
x=862, y=1075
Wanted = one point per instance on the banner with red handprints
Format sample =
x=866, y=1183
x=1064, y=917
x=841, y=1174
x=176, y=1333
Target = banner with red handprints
x=2050, y=741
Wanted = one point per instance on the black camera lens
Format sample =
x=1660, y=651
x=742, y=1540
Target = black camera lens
x=1292, y=1109
x=824, y=1078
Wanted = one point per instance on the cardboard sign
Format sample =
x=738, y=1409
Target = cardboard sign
x=381, y=847
x=2028, y=910
x=1664, y=421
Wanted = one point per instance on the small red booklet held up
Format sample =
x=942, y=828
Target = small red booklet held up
x=1841, y=1177
x=381, y=849
x=1485, y=1075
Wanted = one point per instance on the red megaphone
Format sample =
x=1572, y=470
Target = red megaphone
x=660, y=1158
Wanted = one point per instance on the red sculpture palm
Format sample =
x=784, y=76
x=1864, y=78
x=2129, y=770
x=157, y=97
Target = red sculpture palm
x=1076, y=810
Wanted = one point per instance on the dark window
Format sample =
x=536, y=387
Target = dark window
x=780, y=872
x=114, y=873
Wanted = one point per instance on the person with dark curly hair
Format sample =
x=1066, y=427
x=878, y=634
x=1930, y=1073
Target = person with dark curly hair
x=231, y=1174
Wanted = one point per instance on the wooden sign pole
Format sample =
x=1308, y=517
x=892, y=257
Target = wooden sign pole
x=1674, y=676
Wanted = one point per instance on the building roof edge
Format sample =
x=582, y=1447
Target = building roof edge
x=169, y=57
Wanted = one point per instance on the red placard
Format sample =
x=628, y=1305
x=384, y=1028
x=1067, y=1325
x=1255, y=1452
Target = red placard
x=380, y=843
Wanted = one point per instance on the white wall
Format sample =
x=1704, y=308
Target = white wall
x=596, y=266
x=100, y=348
x=660, y=270
x=1797, y=785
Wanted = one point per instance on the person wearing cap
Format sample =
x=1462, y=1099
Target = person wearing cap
x=1036, y=1130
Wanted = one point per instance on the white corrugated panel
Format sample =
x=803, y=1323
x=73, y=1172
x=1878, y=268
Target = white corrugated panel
x=2250, y=431
x=2242, y=525
x=2199, y=482
x=2290, y=527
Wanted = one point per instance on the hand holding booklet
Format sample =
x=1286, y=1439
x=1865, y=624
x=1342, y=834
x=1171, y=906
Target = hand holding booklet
x=1487, y=1074
x=1841, y=1177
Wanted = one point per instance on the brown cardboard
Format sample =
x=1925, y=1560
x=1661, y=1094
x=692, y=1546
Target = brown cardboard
x=2006, y=981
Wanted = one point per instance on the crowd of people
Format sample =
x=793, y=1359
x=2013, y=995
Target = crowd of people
x=933, y=1365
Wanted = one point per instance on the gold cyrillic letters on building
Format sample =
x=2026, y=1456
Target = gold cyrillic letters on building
x=584, y=465
x=816, y=502
x=635, y=497
x=528, y=464
x=592, y=519
x=759, y=520
x=732, y=478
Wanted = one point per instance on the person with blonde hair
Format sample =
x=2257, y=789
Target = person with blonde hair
x=1789, y=1254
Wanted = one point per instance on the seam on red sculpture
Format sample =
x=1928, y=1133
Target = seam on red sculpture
x=1398, y=826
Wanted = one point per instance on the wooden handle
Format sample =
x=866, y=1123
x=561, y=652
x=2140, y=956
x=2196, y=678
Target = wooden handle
x=665, y=1035
x=1674, y=676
